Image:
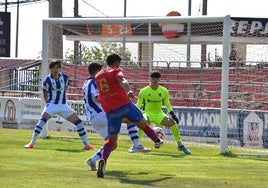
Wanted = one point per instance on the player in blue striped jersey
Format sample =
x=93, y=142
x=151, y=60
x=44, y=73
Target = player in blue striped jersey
x=97, y=116
x=54, y=93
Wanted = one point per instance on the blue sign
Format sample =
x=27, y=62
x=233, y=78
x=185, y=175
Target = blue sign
x=4, y=34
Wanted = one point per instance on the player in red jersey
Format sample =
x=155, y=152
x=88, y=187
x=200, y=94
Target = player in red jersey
x=114, y=96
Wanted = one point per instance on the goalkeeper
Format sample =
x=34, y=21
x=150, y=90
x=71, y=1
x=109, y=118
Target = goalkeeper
x=151, y=99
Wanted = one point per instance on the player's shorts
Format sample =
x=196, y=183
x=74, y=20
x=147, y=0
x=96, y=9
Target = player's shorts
x=61, y=109
x=155, y=118
x=99, y=123
x=114, y=117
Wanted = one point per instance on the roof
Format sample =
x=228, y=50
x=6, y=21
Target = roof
x=243, y=30
x=21, y=64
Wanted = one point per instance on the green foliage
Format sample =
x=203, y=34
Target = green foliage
x=95, y=53
x=59, y=161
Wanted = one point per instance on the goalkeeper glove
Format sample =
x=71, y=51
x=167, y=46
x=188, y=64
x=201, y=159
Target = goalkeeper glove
x=173, y=116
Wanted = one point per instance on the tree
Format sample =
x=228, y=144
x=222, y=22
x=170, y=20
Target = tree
x=95, y=53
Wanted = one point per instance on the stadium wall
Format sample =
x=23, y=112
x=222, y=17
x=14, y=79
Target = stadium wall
x=245, y=127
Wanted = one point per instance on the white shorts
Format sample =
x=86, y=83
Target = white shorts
x=61, y=109
x=99, y=123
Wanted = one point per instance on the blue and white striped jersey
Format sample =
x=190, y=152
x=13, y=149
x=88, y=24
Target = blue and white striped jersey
x=56, y=88
x=90, y=93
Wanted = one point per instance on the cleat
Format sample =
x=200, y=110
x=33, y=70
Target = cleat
x=91, y=164
x=140, y=148
x=184, y=149
x=88, y=147
x=29, y=145
x=101, y=168
x=158, y=143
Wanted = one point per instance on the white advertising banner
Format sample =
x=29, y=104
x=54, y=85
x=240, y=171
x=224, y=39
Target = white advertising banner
x=24, y=113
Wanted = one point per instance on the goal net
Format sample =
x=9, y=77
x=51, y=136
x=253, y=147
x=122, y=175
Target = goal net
x=191, y=53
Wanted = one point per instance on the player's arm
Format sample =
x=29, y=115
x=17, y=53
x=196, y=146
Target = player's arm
x=140, y=100
x=169, y=107
x=67, y=82
x=94, y=93
x=45, y=88
x=45, y=95
x=124, y=84
x=167, y=101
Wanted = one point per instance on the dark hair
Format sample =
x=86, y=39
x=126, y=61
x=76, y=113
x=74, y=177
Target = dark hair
x=113, y=58
x=94, y=67
x=155, y=74
x=54, y=63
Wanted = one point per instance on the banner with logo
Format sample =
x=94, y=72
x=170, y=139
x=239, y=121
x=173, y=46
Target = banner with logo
x=245, y=127
x=205, y=123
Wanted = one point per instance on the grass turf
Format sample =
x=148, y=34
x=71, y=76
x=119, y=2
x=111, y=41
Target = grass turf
x=59, y=161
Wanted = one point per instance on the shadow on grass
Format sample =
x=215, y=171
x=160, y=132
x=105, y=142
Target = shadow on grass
x=70, y=150
x=123, y=177
x=61, y=149
x=229, y=154
x=176, y=154
x=67, y=143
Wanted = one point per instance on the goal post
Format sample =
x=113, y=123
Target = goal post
x=44, y=69
x=147, y=32
x=224, y=84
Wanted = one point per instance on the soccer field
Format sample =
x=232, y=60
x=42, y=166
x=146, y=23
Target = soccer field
x=59, y=161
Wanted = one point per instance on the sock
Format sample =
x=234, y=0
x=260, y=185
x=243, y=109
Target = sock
x=97, y=155
x=38, y=128
x=176, y=133
x=150, y=133
x=81, y=131
x=107, y=149
x=140, y=132
x=133, y=133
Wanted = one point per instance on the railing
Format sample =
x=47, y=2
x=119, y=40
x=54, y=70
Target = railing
x=187, y=86
x=14, y=93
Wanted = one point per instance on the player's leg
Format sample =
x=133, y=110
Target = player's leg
x=133, y=133
x=175, y=131
x=135, y=115
x=80, y=130
x=140, y=131
x=69, y=114
x=91, y=162
x=38, y=128
x=169, y=122
x=99, y=123
x=149, y=132
x=114, y=119
x=107, y=148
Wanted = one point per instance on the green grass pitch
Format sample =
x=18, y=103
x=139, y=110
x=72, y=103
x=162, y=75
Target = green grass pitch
x=59, y=161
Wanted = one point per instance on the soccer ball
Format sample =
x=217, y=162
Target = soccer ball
x=159, y=131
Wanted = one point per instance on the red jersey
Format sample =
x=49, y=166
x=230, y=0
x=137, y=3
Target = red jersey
x=111, y=94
